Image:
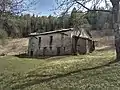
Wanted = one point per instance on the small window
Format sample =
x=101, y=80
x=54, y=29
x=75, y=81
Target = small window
x=39, y=40
x=64, y=49
x=51, y=40
x=50, y=48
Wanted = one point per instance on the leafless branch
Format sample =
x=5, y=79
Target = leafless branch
x=90, y=9
x=16, y=6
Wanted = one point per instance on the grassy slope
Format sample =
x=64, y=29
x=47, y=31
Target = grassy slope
x=80, y=72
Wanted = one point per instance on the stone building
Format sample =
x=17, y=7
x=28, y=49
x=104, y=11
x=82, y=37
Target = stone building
x=60, y=42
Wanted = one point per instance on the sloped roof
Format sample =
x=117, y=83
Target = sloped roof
x=50, y=32
x=81, y=33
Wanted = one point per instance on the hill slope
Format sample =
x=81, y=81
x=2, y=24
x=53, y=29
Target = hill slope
x=14, y=46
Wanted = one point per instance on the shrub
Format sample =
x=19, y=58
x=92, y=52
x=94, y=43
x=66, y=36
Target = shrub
x=3, y=36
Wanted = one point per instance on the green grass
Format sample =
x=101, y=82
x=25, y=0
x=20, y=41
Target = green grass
x=82, y=72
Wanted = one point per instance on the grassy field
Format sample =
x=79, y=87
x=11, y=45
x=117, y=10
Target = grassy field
x=94, y=71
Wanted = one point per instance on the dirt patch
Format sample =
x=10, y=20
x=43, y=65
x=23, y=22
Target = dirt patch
x=14, y=46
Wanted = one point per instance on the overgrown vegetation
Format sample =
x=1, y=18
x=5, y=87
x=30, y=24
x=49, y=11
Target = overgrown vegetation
x=92, y=71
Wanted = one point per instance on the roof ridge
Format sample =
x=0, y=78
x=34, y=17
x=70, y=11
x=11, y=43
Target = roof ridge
x=62, y=30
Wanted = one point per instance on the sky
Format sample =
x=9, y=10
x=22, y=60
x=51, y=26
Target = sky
x=44, y=8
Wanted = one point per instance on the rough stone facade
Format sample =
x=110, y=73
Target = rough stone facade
x=60, y=42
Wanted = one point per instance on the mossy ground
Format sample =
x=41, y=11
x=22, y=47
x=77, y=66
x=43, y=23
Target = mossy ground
x=95, y=71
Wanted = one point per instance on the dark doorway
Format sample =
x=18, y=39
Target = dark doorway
x=44, y=51
x=31, y=53
x=58, y=50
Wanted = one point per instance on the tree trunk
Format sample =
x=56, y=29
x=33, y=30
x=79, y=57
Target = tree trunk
x=116, y=23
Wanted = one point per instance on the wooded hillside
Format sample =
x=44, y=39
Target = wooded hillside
x=21, y=25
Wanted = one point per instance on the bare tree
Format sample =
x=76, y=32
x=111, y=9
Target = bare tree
x=17, y=6
x=89, y=6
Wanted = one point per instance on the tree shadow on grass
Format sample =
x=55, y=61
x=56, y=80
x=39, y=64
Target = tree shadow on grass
x=106, y=48
x=45, y=78
x=54, y=57
x=24, y=55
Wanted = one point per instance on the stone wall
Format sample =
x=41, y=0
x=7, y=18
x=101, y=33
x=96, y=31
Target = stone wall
x=81, y=46
x=33, y=46
x=61, y=44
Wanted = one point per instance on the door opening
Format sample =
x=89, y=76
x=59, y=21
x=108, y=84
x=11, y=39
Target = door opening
x=58, y=50
x=31, y=53
x=44, y=51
